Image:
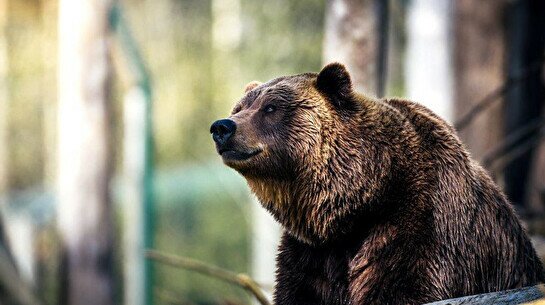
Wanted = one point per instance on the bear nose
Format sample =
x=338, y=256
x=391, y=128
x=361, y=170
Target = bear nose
x=222, y=130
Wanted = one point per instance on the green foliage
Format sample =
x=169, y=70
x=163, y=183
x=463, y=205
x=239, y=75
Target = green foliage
x=195, y=81
x=203, y=218
x=281, y=37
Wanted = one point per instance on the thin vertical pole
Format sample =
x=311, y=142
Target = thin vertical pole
x=139, y=168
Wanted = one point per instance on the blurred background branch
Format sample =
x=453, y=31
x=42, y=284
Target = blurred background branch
x=243, y=280
x=497, y=94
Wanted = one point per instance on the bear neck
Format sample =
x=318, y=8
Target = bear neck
x=337, y=193
x=353, y=172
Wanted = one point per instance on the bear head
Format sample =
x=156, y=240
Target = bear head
x=306, y=149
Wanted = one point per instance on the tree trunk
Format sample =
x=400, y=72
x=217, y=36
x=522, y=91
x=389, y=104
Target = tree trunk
x=428, y=55
x=351, y=38
x=84, y=164
x=524, y=102
x=479, y=62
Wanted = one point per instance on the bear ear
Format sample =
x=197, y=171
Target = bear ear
x=251, y=85
x=334, y=80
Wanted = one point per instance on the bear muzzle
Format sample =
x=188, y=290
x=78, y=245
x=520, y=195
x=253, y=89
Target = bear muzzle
x=222, y=132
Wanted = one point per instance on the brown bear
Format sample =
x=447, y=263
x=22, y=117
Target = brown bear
x=380, y=201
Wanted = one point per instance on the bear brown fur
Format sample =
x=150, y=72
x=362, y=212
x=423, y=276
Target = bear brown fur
x=380, y=201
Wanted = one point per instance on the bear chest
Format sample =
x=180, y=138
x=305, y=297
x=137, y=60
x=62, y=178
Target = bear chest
x=322, y=273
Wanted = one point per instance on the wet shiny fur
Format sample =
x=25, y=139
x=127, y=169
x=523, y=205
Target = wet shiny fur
x=380, y=201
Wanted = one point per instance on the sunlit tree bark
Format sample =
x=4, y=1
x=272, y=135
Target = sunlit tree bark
x=351, y=38
x=84, y=164
x=428, y=55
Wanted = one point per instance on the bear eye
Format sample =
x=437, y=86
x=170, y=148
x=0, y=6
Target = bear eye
x=269, y=109
x=236, y=110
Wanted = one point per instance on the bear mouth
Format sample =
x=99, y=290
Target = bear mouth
x=231, y=154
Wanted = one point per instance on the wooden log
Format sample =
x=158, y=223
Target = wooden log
x=507, y=297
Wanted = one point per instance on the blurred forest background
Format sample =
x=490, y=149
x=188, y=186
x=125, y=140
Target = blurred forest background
x=178, y=65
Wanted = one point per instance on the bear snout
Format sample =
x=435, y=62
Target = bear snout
x=223, y=130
